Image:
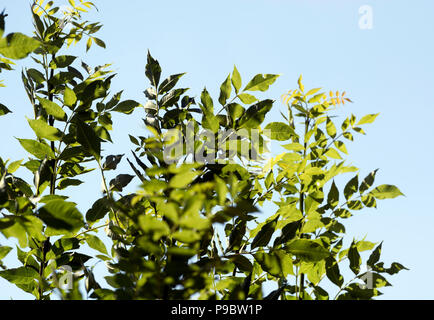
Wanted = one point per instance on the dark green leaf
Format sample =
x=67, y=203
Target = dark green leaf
x=333, y=273
x=89, y=140
x=169, y=83
x=255, y=114
x=351, y=187
x=99, y=209
x=111, y=162
x=333, y=196
x=265, y=234
x=127, y=106
x=375, y=256
x=354, y=257
x=120, y=182
x=61, y=217
x=4, y=110
x=153, y=70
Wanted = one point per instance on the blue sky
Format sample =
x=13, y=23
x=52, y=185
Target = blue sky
x=387, y=69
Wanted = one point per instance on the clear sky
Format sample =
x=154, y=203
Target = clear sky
x=387, y=69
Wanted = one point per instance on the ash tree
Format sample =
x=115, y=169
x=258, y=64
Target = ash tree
x=192, y=230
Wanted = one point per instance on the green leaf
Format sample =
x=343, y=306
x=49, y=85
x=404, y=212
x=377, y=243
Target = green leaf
x=89, y=43
x=278, y=131
x=368, y=181
x=293, y=146
x=289, y=231
x=4, y=250
x=241, y=262
x=62, y=61
x=261, y=82
x=341, y=146
x=333, y=196
x=247, y=98
x=369, y=118
x=22, y=228
x=395, y=268
x=333, y=273
x=17, y=46
x=369, y=201
x=269, y=180
x=4, y=110
x=153, y=226
x=61, y=217
x=386, y=191
x=69, y=97
x=67, y=182
x=38, y=149
x=332, y=153
x=364, y=245
x=265, y=234
x=235, y=111
x=351, y=187
x=225, y=90
x=87, y=137
x=342, y=213
x=111, y=162
x=14, y=166
x=53, y=109
x=277, y=263
x=355, y=292
x=35, y=75
x=120, y=182
x=330, y=127
x=20, y=276
x=236, y=80
x=255, y=114
x=307, y=250
x=95, y=243
x=99, y=42
x=65, y=244
x=127, y=106
x=375, y=256
x=44, y=131
x=98, y=211
x=186, y=236
x=209, y=120
x=207, y=102
x=355, y=259
x=183, y=179
x=153, y=70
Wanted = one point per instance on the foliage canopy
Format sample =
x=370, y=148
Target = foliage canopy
x=192, y=230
